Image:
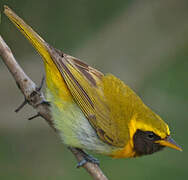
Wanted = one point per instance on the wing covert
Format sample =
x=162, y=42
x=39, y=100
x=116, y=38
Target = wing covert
x=86, y=86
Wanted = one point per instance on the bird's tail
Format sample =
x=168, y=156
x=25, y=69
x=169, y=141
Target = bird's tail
x=39, y=44
x=54, y=79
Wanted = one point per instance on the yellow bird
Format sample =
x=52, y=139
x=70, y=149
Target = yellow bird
x=94, y=111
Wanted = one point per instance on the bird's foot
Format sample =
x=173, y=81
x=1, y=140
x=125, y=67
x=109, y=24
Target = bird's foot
x=86, y=158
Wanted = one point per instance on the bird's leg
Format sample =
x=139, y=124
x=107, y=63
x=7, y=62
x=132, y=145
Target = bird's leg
x=86, y=158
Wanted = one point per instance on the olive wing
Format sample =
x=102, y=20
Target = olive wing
x=88, y=86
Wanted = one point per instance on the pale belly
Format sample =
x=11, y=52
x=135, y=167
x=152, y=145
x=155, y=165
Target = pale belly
x=74, y=128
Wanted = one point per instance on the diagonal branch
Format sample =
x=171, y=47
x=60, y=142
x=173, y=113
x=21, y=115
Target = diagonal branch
x=34, y=98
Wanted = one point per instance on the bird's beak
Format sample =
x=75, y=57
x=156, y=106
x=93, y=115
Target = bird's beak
x=169, y=142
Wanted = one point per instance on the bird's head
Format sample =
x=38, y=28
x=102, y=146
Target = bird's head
x=149, y=133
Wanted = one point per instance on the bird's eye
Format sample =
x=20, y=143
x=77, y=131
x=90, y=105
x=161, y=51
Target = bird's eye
x=150, y=136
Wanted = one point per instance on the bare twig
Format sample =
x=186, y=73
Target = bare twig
x=34, y=98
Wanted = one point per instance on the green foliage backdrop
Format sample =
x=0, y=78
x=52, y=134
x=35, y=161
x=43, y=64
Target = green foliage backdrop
x=145, y=43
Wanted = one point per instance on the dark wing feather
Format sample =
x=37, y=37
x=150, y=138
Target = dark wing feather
x=84, y=83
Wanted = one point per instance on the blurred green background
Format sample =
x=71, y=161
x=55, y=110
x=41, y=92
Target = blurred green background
x=145, y=43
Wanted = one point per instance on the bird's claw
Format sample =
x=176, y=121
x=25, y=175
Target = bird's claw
x=87, y=158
